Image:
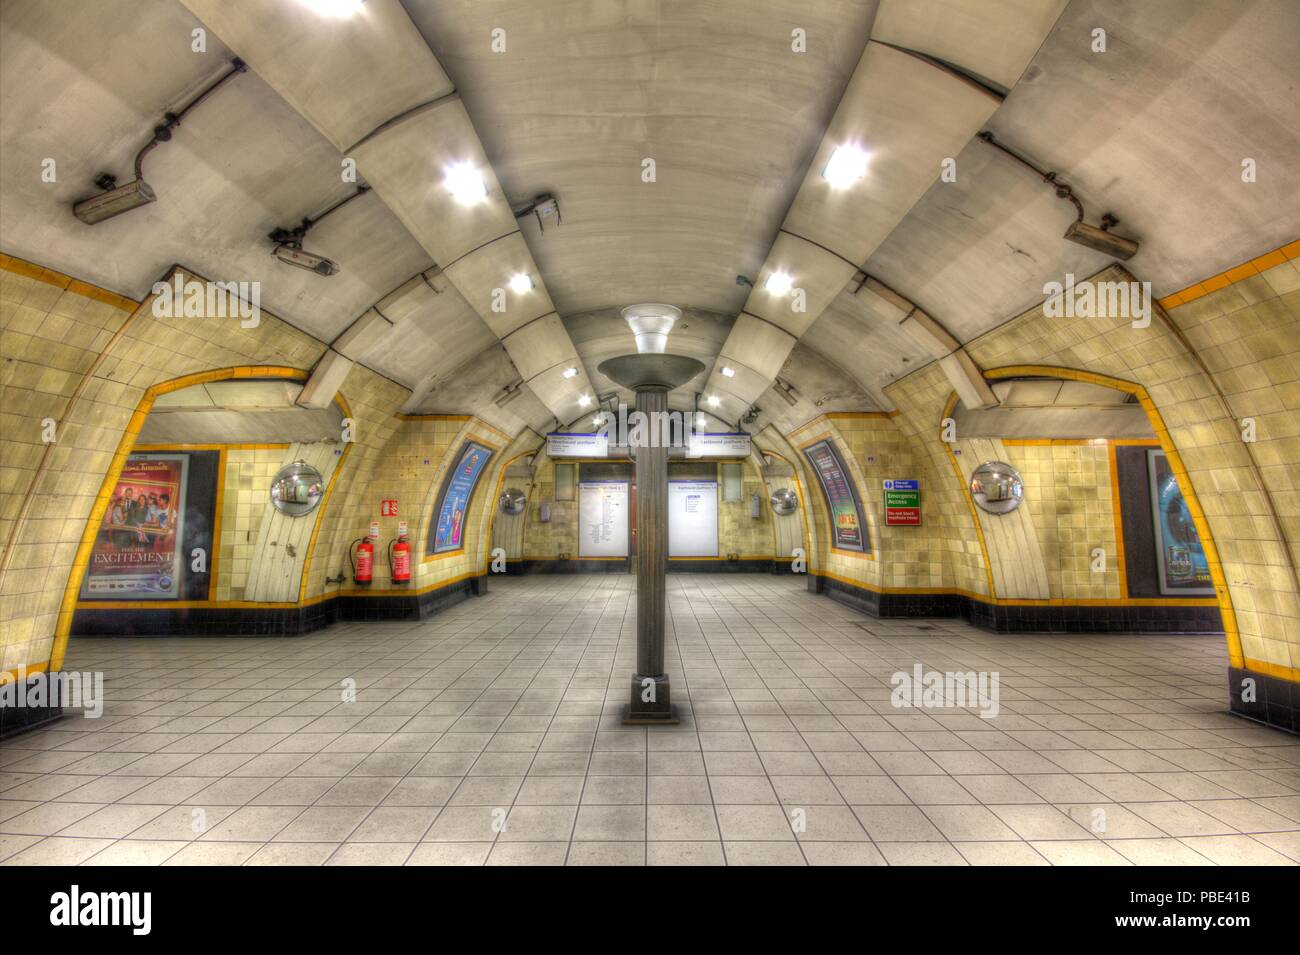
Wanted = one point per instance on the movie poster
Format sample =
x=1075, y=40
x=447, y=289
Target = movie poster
x=137, y=550
x=1180, y=560
x=453, y=506
x=846, y=514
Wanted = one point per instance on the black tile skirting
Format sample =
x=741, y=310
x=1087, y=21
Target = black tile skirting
x=270, y=621
x=15, y=719
x=1276, y=702
x=566, y=566
x=1005, y=618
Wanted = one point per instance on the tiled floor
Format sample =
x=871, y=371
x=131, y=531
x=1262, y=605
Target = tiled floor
x=1107, y=750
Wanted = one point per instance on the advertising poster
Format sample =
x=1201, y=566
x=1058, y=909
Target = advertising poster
x=453, y=505
x=136, y=553
x=1180, y=559
x=846, y=516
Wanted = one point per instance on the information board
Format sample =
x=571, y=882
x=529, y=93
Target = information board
x=692, y=519
x=847, y=530
x=448, y=532
x=1180, y=558
x=602, y=519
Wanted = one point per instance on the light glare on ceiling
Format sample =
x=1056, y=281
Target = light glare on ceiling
x=584, y=400
x=714, y=401
x=571, y=373
x=465, y=183
x=728, y=371
x=521, y=283
x=778, y=283
x=846, y=166
x=336, y=8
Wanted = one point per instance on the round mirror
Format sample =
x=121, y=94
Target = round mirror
x=297, y=488
x=513, y=501
x=785, y=501
x=996, y=487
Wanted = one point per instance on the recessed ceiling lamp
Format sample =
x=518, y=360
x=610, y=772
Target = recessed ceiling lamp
x=728, y=371
x=650, y=326
x=714, y=401
x=1096, y=237
x=570, y=373
x=465, y=183
x=336, y=8
x=115, y=199
x=521, y=283
x=846, y=166
x=584, y=400
x=778, y=283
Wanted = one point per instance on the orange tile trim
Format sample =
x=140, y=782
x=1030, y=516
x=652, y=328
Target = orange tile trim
x=11, y=263
x=1286, y=253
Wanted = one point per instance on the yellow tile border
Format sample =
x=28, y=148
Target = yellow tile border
x=11, y=263
x=1236, y=656
x=1285, y=253
x=125, y=447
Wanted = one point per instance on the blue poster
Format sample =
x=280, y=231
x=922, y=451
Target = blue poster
x=1180, y=558
x=453, y=504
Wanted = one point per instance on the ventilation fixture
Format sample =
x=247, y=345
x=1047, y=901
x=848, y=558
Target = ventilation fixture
x=786, y=391
x=288, y=242
x=1099, y=238
x=509, y=393
x=544, y=207
x=115, y=199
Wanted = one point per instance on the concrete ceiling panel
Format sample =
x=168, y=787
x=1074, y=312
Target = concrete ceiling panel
x=483, y=277
x=817, y=276
x=908, y=116
x=992, y=39
x=347, y=75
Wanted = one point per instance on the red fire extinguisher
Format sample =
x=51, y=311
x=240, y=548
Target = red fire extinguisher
x=363, y=567
x=399, y=560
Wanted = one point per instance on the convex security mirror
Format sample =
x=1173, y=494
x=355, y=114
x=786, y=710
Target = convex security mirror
x=297, y=489
x=996, y=487
x=513, y=501
x=785, y=501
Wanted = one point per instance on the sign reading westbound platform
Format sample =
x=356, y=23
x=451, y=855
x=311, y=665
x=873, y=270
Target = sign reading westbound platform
x=721, y=445
x=903, y=502
x=560, y=444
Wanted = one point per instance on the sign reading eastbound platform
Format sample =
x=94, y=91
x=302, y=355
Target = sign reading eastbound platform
x=720, y=445
x=560, y=444
x=903, y=503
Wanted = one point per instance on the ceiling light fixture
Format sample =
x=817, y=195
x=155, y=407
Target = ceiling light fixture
x=288, y=242
x=1099, y=238
x=728, y=371
x=848, y=164
x=465, y=183
x=714, y=401
x=778, y=283
x=115, y=199
x=521, y=283
x=584, y=400
x=336, y=8
x=571, y=373
x=650, y=326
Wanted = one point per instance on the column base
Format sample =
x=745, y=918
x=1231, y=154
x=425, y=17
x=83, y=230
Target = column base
x=659, y=710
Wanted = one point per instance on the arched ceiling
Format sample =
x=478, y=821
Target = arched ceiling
x=739, y=126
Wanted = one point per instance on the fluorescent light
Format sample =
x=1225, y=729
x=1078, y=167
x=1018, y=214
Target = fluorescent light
x=846, y=166
x=521, y=283
x=714, y=401
x=584, y=400
x=465, y=183
x=336, y=8
x=570, y=373
x=728, y=371
x=778, y=283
